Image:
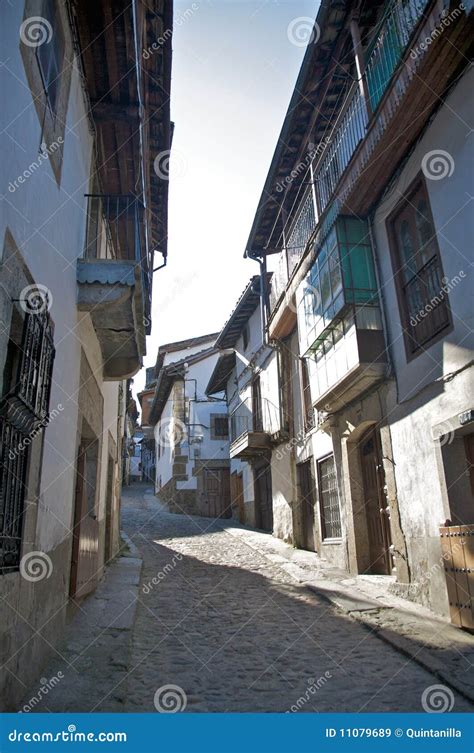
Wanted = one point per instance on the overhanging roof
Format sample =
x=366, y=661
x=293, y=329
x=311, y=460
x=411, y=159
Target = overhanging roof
x=222, y=371
x=166, y=375
x=246, y=305
x=129, y=94
x=326, y=72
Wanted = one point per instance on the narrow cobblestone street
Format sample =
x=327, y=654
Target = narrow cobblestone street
x=226, y=626
x=236, y=633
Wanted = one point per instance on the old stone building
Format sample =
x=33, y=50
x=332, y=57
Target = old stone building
x=148, y=455
x=83, y=212
x=191, y=430
x=364, y=220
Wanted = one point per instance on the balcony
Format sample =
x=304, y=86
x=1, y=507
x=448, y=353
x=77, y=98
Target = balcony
x=253, y=429
x=372, y=131
x=114, y=281
x=339, y=314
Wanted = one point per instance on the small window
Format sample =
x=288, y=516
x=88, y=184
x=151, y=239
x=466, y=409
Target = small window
x=423, y=300
x=51, y=54
x=219, y=427
x=329, y=499
x=308, y=411
x=246, y=336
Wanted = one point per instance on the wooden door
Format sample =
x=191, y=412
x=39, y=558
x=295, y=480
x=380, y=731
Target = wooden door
x=376, y=509
x=263, y=496
x=85, y=548
x=217, y=492
x=307, y=504
x=469, y=450
x=237, y=495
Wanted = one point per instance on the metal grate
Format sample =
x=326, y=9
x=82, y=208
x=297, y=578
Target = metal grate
x=426, y=303
x=329, y=499
x=24, y=412
x=13, y=461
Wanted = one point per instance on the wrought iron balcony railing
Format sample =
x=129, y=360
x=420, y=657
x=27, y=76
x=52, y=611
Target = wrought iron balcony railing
x=252, y=417
x=382, y=58
x=116, y=230
x=385, y=51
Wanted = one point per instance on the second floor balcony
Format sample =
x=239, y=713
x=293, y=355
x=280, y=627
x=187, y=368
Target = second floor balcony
x=114, y=281
x=253, y=424
x=372, y=127
x=340, y=325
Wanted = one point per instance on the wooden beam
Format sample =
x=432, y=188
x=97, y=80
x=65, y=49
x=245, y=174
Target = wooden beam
x=104, y=109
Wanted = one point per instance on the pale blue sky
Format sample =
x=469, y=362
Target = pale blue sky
x=234, y=70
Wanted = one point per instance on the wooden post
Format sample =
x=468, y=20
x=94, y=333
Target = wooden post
x=359, y=61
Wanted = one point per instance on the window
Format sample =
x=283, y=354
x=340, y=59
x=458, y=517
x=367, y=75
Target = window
x=48, y=65
x=219, y=427
x=246, y=336
x=342, y=277
x=422, y=296
x=257, y=418
x=23, y=415
x=329, y=499
x=308, y=412
x=51, y=54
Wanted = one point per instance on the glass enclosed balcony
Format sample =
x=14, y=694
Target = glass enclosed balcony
x=342, y=277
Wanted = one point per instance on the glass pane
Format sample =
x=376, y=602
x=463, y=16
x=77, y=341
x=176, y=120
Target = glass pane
x=407, y=250
x=426, y=232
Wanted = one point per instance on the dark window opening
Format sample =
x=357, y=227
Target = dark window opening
x=418, y=272
x=221, y=427
x=308, y=411
x=246, y=336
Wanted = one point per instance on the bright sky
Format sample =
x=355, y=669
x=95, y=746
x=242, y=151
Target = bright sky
x=235, y=64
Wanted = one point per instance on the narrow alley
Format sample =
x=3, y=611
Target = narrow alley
x=217, y=626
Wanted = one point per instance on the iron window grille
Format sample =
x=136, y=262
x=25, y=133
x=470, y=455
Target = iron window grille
x=421, y=288
x=329, y=499
x=24, y=412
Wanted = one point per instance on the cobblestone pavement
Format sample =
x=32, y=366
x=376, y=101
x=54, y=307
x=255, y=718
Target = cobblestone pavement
x=234, y=631
x=216, y=615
